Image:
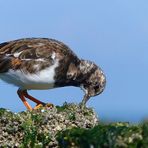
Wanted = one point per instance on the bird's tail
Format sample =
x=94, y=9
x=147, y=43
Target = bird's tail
x=3, y=44
x=5, y=62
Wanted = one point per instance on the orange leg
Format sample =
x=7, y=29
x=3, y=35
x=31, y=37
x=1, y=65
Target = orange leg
x=21, y=95
x=32, y=98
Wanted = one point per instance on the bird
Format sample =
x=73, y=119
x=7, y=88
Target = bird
x=44, y=63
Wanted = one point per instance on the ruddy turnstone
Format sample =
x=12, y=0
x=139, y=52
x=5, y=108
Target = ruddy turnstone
x=41, y=63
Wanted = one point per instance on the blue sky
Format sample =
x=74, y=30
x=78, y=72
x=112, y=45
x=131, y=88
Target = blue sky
x=113, y=34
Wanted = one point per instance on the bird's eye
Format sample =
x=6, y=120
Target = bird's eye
x=97, y=87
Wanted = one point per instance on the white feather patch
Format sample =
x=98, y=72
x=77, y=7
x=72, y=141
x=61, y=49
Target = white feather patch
x=43, y=79
x=16, y=54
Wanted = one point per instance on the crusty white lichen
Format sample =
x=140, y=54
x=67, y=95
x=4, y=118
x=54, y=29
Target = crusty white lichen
x=39, y=127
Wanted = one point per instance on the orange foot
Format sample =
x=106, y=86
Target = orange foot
x=23, y=95
x=48, y=105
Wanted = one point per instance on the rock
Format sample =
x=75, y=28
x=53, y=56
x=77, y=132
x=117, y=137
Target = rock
x=40, y=127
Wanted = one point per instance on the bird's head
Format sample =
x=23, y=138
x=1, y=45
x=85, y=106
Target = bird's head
x=94, y=80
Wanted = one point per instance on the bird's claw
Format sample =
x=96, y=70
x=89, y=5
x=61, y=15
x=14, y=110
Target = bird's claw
x=49, y=105
x=38, y=106
x=46, y=105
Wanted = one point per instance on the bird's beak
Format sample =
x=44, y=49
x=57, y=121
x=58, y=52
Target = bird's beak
x=85, y=99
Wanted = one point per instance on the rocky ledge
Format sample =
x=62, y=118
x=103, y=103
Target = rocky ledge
x=68, y=126
x=39, y=128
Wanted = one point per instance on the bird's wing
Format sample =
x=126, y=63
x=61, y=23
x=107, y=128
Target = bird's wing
x=30, y=55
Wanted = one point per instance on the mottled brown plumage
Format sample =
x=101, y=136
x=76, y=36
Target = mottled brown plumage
x=41, y=63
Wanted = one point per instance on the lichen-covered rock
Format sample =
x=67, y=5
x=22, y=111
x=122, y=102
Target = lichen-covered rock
x=115, y=135
x=68, y=126
x=40, y=127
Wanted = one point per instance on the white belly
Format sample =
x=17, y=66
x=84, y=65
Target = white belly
x=43, y=79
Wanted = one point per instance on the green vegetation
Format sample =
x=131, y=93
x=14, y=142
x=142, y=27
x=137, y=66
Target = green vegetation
x=33, y=137
x=114, y=135
x=67, y=126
